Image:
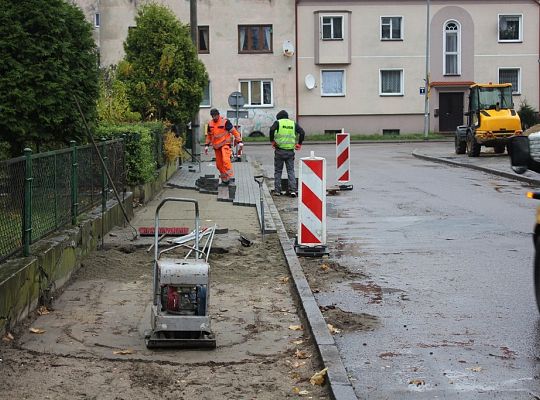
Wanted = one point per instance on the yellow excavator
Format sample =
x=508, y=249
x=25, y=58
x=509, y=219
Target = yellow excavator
x=491, y=119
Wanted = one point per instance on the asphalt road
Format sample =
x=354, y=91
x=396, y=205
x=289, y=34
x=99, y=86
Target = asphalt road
x=445, y=256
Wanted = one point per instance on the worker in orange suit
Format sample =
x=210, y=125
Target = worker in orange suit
x=219, y=137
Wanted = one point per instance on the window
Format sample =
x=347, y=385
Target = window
x=257, y=92
x=391, y=82
x=331, y=28
x=510, y=28
x=203, y=39
x=255, y=38
x=97, y=20
x=390, y=132
x=511, y=75
x=333, y=82
x=391, y=28
x=452, y=46
x=205, y=102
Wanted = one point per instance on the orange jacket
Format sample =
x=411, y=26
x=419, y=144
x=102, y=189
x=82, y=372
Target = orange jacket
x=219, y=133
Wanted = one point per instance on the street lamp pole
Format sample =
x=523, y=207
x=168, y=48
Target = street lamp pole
x=426, y=92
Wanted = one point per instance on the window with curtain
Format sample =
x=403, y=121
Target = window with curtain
x=510, y=28
x=255, y=39
x=332, y=28
x=511, y=75
x=391, y=82
x=257, y=92
x=333, y=82
x=205, y=102
x=391, y=28
x=203, y=39
x=451, y=49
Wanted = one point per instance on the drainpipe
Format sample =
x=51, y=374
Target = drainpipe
x=296, y=56
x=538, y=3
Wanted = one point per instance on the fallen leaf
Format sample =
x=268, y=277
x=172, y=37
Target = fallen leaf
x=475, y=369
x=417, y=382
x=123, y=352
x=319, y=377
x=298, y=364
x=43, y=310
x=301, y=354
x=8, y=337
x=296, y=390
x=325, y=267
x=37, y=330
x=297, y=342
x=333, y=329
x=284, y=279
x=295, y=327
x=296, y=376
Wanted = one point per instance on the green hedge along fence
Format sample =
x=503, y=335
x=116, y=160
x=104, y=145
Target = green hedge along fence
x=40, y=193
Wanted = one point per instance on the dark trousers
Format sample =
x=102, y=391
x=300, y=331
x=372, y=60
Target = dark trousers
x=284, y=157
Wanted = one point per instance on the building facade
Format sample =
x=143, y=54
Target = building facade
x=240, y=42
x=358, y=65
x=362, y=64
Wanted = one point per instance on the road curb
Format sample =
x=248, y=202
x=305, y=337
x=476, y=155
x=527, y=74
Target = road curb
x=492, y=171
x=338, y=380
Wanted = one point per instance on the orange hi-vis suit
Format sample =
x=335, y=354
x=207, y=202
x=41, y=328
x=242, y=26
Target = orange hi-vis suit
x=219, y=137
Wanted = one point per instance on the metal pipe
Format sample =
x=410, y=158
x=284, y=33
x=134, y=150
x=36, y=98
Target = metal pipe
x=426, y=94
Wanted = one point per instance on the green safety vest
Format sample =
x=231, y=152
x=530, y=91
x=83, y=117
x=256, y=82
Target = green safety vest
x=285, y=135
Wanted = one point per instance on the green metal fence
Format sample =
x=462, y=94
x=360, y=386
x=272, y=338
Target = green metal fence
x=42, y=192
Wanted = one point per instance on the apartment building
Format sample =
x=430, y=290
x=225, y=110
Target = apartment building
x=362, y=64
x=246, y=46
x=358, y=65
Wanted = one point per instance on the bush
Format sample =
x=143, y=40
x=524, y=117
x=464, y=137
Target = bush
x=140, y=143
x=528, y=115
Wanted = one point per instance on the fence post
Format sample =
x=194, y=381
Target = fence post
x=27, y=218
x=103, y=176
x=74, y=183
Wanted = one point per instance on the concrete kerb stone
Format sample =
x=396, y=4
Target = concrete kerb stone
x=338, y=380
x=492, y=171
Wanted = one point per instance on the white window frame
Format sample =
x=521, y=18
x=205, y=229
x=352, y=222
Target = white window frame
x=343, y=83
x=332, y=27
x=515, y=91
x=400, y=28
x=97, y=20
x=458, y=52
x=248, y=99
x=209, y=97
x=402, y=81
x=520, y=33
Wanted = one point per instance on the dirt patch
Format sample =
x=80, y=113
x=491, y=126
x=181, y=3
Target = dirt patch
x=92, y=344
x=322, y=273
x=348, y=321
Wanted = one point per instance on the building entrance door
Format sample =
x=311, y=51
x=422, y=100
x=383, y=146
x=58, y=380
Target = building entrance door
x=450, y=111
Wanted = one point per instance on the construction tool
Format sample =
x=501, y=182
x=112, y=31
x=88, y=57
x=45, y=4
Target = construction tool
x=260, y=179
x=181, y=291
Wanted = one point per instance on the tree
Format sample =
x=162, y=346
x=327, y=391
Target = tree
x=164, y=76
x=528, y=115
x=47, y=56
x=113, y=104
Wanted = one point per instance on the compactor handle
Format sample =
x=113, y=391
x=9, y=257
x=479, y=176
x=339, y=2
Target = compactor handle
x=156, y=223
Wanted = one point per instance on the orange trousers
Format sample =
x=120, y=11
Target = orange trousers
x=223, y=163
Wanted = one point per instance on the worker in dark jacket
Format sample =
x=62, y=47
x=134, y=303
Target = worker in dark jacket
x=286, y=136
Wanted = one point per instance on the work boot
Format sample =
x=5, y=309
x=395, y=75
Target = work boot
x=292, y=194
x=276, y=192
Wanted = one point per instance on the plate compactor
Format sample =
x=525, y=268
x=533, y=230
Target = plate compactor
x=181, y=292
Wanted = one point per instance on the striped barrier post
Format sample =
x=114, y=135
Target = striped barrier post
x=311, y=238
x=343, y=160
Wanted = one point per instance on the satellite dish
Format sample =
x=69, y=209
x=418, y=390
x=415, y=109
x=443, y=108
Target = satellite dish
x=288, y=48
x=309, y=81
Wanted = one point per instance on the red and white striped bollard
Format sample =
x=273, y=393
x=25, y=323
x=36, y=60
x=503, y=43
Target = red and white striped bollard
x=311, y=238
x=343, y=160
